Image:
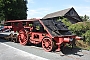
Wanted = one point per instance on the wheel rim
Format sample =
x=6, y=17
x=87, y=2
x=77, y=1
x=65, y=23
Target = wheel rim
x=47, y=44
x=22, y=38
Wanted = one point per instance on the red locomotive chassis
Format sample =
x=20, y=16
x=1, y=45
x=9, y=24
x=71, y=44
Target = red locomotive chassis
x=52, y=34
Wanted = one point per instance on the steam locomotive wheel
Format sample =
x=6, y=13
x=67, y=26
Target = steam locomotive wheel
x=22, y=37
x=48, y=44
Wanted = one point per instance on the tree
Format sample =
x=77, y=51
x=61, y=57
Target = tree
x=13, y=9
x=81, y=29
x=87, y=36
x=66, y=22
x=85, y=18
x=1, y=11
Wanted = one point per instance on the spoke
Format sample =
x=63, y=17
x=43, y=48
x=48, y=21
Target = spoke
x=49, y=47
x=47, y=44
x=43, y=44
x=43, y=41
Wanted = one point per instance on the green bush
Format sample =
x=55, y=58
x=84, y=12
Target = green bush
x=87, y=36
x=81, y=29
x=77, y=28
x=66, y=22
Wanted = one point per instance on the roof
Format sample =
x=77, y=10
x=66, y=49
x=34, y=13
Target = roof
x=69, y=13
x=56, y=14
x=22, y=20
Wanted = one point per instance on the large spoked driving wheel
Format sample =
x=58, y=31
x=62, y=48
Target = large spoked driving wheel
x=48, y=44
x=22, y=37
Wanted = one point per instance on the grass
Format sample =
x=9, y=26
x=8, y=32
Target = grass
x=83, y=45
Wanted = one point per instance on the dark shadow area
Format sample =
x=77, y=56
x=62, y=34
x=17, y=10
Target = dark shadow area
x=2, y=39
x=65, y=51
x=69, y=51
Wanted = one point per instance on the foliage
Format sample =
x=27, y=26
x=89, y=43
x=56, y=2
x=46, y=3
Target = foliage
x=87, y=36
x=13, y=9
x=66, y=21
x=80, y=28
x=85, y=18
